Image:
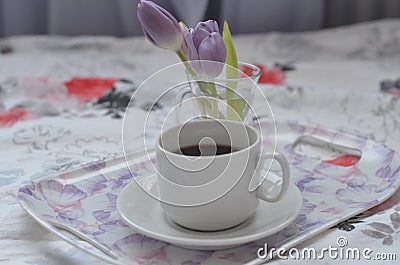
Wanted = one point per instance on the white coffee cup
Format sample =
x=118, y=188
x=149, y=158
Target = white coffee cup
x=212, y=192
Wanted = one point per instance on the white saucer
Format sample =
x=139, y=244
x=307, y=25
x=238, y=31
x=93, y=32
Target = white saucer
x=143, y=213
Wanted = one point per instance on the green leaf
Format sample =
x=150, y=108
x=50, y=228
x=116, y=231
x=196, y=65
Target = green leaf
x=234, y=107
x=231, y=58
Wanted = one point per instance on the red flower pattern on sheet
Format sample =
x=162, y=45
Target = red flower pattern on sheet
x=344, y=160
x=11, y=116
x=85, y=89
x=47, y=96
x=273, y=75
x=393, y=92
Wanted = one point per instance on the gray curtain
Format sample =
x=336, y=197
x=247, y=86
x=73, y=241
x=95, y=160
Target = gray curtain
x=248, y=16
x=69, y=17
x=118, y=17
x=342, y=12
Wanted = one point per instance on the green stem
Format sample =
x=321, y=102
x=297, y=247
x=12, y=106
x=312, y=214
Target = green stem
x=234, y=105
x=191, y=71
x=213, y=89
x=206, y=88
x=234, y=102
x=186, y=62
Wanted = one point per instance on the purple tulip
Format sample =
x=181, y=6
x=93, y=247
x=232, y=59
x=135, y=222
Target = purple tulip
x=204, y=42
x=159, y=26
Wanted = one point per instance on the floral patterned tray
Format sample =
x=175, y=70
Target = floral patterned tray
x=339, y=175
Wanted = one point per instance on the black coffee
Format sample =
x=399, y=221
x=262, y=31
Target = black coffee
x=207, y=150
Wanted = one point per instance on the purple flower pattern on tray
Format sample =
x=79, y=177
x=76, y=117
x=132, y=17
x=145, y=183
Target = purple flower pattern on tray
x=89, y=204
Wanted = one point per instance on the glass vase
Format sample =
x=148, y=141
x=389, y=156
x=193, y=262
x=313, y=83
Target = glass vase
x=226, y=98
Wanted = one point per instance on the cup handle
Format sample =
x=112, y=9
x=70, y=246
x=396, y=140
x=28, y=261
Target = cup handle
x=261, y=191
x=180, y=97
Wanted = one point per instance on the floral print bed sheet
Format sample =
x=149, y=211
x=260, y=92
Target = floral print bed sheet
x=324, y=81
x=331, y=193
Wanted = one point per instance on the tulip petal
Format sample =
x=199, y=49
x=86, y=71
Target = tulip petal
x=212, y=48
x=209, y=25
x=199, y=35
x=159, y=26
x=148, y=37
x=193, y=55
